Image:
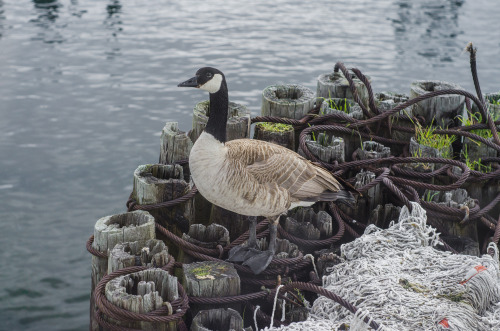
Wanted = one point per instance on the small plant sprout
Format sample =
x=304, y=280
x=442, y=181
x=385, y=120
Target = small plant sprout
x=427, y=137
x=474, y=164
x=429, y=195
x=474, y=118
x=339, y=105
x=312, y=133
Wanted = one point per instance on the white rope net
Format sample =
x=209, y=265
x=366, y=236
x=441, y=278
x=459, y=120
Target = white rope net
x=396, y=277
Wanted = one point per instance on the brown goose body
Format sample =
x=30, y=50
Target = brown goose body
x=257, y=178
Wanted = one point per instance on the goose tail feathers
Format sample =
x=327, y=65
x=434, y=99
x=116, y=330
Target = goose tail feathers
x=342, y=196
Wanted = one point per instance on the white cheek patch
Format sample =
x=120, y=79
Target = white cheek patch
x=213, y=85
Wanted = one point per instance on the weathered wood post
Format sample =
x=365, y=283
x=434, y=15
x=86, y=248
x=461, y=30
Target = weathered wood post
x=175, y=146
x=386, y=101
x=237, y=126
x=204, y=236
x=305, y=223
x=455, y=199
x=441, y=110
x=218, y=319
x=382, y=215
x=112, y=230
x=326, y=147
x=473, y=153
x=419, y=150
x=335, y=85
x=128, y=254
x=492, y=103
x=156, y=183
x=143, y=292
x=351, y=109
x=289, y=101
x=236, y=224
x=284, y=248
x=276, y=133
x=238, y=121
x=211, y=279
x=373, y=150
x=370, y=199
x=341, y=106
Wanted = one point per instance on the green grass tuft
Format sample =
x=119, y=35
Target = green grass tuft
x=427, y=137
x=275, y=127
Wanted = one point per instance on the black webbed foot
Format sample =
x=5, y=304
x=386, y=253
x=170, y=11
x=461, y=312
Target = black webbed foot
x=241, y=253
x=259, y=262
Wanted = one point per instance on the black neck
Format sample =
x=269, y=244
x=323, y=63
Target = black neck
x=219, y=103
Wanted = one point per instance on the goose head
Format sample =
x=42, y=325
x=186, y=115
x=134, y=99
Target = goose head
x=207, y=78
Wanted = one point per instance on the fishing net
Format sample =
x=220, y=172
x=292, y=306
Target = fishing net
x=397, y=277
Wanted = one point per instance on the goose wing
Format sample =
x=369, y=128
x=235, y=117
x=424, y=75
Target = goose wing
x=271, y=164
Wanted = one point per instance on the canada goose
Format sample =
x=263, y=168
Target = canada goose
x=252, y=177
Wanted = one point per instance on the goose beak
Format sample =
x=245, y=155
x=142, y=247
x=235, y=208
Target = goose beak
x=191, y=82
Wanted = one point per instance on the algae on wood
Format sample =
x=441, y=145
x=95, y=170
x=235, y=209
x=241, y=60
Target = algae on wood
x=211, y=279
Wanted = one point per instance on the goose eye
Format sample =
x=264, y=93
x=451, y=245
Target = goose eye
x=209, y=75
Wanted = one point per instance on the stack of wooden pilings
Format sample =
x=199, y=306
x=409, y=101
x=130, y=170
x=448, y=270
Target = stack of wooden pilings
x=391, y=148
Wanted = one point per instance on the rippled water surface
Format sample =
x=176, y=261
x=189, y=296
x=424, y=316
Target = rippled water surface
x=86, y=87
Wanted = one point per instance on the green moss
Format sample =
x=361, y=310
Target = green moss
x=202, y=271
x=275, y=127
x=206, y=270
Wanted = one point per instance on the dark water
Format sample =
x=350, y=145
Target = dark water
x=86, y=87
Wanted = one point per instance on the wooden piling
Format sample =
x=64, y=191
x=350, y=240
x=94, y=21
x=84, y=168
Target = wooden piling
x=386, y=101
x=373, y=150
x=236, y=224
x=382, y=215
x=154, y=253
x=175, y=146
x=276, y=133
x=288, y=100
x=341, y=106
x=493, y=105
x=218, y=319
x=284, y=248
x=335, y=85
x=370, y=199
x=112, y=230
x=441, y=110
x=305, y=223
x=457, y=199
x=211, y=279
x=156, y=183
x=143, y=292
x=326, y=147
x=237, y=126
x=204, y=236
